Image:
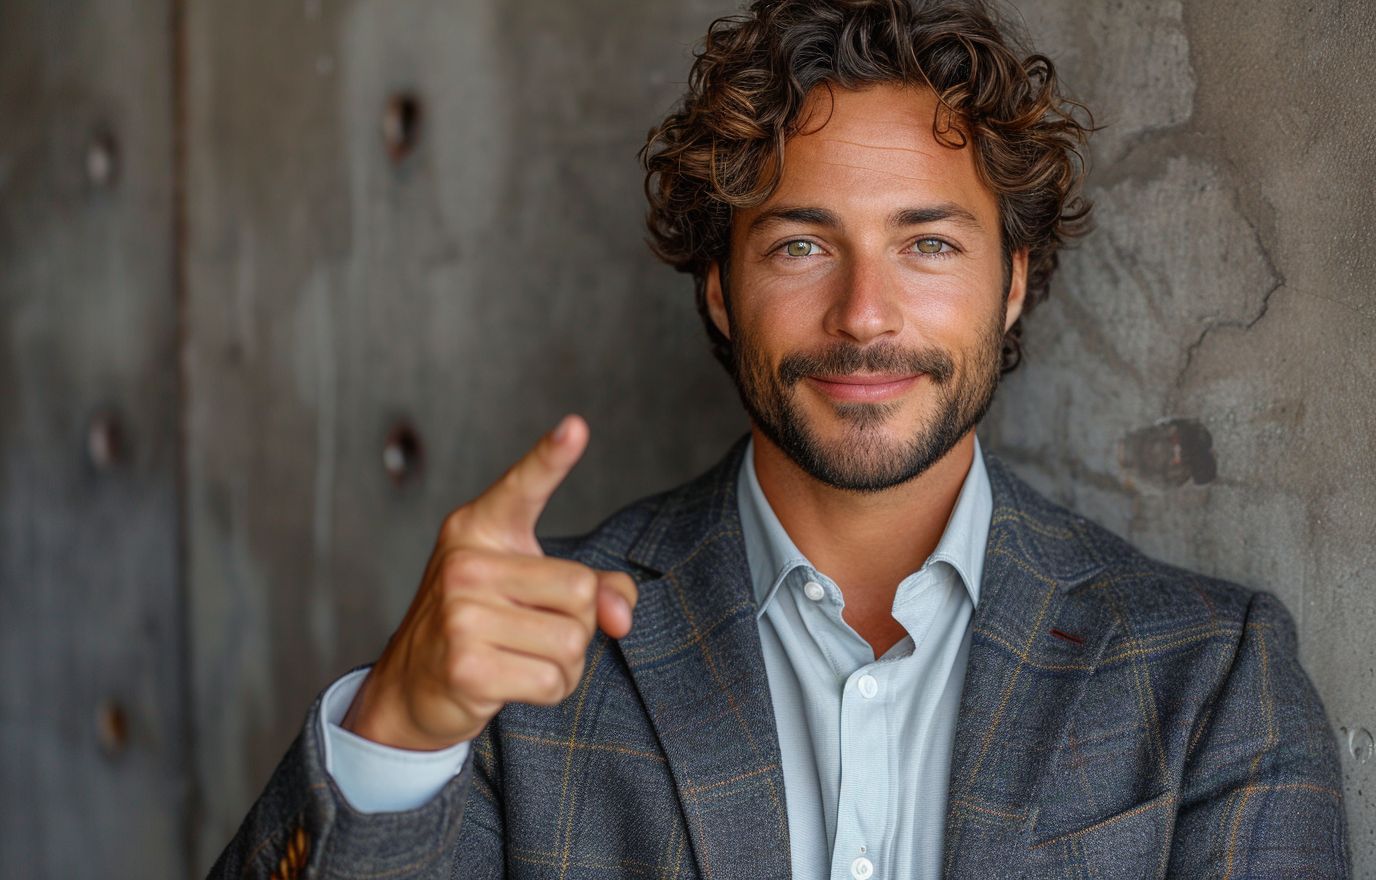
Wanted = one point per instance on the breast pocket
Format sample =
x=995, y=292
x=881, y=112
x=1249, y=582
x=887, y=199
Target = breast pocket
x=1134, y=843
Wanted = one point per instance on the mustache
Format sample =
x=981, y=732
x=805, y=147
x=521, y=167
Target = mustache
x=843, y=359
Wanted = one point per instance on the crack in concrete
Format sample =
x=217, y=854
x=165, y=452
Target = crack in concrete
x=1278, y=281
x=1215, y=326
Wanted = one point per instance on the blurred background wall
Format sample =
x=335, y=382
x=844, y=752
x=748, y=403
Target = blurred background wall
x=283, y=281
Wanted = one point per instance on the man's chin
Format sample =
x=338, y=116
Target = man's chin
x=856, y=459
x=863, y=448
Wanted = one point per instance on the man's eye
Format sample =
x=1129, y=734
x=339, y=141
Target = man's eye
x=929, y=245
x=800, y=249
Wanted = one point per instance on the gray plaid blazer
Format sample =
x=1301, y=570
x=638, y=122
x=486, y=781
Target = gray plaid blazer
x=1120, y=719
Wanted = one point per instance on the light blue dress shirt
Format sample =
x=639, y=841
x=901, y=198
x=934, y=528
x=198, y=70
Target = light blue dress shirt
x=865, y=743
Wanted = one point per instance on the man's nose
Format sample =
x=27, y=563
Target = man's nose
x=865, y=303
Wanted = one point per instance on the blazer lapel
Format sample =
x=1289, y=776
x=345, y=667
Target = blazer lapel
x=1034, y=646
x=695, y=657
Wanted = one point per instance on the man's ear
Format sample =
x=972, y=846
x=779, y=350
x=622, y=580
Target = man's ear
x=1017, y=289
x=716, y=300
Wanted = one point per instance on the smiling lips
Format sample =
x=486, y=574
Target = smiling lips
x=864, y=387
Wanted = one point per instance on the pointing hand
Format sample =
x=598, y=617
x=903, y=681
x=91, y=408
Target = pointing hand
x=494, y=621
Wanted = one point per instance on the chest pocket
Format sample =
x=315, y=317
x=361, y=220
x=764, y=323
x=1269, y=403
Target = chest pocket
x=1132, y=844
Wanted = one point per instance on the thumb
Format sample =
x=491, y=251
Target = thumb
x=507, y=512
x=616, y=596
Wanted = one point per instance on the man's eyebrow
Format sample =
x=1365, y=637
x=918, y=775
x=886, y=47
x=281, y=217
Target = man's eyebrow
x=805, y=216
x=898, y=219
x=918, y=216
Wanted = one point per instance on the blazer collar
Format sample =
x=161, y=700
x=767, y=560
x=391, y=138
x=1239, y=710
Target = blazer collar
x=1040, y=533
x=695, y=657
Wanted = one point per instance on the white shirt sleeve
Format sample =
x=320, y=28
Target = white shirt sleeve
x=375, y=778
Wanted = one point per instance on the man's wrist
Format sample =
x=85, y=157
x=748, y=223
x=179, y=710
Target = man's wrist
x=380, y=715
x=376, y=778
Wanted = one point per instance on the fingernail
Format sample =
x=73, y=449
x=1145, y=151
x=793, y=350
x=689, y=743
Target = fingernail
x=561, y=431
x=626, y=607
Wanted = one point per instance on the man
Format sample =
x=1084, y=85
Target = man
x=859, y=647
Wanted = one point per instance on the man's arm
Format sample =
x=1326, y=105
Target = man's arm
x=1262, y=792
x=494, y=621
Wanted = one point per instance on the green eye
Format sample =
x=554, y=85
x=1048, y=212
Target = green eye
x=930, y=245
x=798, y=248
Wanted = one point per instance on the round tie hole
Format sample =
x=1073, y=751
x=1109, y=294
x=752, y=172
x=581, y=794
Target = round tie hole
x=102, y=159
x=401, y=125
x=402, y=455
x=107, y=444
x=112, y=728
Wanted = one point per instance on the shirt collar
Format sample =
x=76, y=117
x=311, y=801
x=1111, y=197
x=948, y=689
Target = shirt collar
x=772, y=554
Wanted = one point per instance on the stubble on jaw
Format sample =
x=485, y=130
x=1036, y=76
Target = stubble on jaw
x=864, y=460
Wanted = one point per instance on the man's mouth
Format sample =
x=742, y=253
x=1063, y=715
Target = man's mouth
x=864, y=387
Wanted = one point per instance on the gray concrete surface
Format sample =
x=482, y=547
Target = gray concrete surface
x=487, y=283
x=1224, y=312
x=1201, y=380
x=93, y=769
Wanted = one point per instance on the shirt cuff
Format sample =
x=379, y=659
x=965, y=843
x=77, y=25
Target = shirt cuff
x=375, y=778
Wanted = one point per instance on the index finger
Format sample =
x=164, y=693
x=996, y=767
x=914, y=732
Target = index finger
x=507, y=512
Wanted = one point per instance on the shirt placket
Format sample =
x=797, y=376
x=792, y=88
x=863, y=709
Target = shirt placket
x=862, y=814
x=858, y=851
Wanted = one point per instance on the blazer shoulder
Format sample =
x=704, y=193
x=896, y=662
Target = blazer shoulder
x=1098, y=565
x=608, y=544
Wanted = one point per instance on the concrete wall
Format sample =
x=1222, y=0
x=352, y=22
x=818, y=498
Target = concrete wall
x=477, y=288
x=1200, y=380
x=1223, y=315
x=93, y=750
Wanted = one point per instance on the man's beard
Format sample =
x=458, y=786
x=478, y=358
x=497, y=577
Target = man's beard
x=862, y=459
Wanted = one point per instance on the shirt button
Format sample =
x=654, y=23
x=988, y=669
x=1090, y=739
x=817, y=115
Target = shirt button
x=862, y=869
x=868, y=686
x=814, y=591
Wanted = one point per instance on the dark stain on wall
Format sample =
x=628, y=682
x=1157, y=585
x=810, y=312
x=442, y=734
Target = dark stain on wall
x=1169, y=454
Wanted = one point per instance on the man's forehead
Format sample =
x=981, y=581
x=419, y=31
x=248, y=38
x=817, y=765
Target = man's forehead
x=888, y=116
x=876, y=143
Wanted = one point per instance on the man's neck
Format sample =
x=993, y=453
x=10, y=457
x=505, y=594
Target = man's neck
x=866, y=542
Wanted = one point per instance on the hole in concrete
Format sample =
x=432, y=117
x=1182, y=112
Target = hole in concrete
x=107, y=443
x=102, y=159
x=401, y=125
x=402, y=454
x=112, y=728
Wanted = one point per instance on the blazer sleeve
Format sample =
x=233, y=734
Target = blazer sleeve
x=302, y=826
x=1262, y=792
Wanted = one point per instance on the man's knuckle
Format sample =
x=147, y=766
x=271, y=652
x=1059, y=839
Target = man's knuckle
x=465, y=569
x=583, y=585
x=467, y=673
x=464, y=621
x=550, y=682
x=456, y=523
x=573, y=644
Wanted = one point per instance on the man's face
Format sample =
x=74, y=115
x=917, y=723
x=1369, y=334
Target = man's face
x=867, y=295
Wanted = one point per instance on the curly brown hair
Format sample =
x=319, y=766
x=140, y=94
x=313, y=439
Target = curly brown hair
x=723, y=148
